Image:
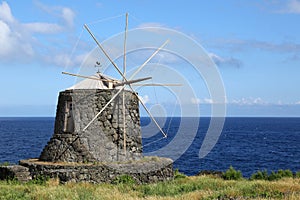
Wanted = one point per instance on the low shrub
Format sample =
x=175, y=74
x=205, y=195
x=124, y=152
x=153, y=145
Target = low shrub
x=280, y=174
x=297, y=175
x=39, y=180
x=5, y=164
x=263, y=175
x=232, y=174
x=260, y=175
x=210, y=173
x=124, y=179
x=178, y=175
x=285, y=173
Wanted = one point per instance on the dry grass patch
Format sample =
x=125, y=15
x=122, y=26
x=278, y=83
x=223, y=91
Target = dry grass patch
x=196, y=187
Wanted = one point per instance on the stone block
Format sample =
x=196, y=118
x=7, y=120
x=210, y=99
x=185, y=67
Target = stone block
x=16, y=172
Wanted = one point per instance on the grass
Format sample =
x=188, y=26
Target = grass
x=194, y=187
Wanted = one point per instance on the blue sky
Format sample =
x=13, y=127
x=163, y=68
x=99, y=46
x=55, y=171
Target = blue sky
x=255, y=45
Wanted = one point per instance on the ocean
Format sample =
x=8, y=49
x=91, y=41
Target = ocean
x=247, y=144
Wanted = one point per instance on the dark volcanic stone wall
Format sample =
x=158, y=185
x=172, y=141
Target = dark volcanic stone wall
x=146, y=170
x=103, y=140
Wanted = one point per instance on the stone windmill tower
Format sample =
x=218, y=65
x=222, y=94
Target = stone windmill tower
x=97, y=119
x=97, y=123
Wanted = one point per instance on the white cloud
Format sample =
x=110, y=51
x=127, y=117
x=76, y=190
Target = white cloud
x=141, y=55
x=145, y=99
x=30, y=41
x=12, y=44
x=245, y=101
x=46, y=28
x=5, y=13
x=242, y=45
x=208, y=101
x=66, y=60
x=280, y=6
x=292, y=6
x=239, y=45
x=202, y=101
x=68, y=15
x=6, y=40
x=250, y=101
x=225, y=61
x=64, y=13
x=196, y=100
x=166, y=57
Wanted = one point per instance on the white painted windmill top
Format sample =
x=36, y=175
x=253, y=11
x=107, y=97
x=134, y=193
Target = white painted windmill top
x=96, y=81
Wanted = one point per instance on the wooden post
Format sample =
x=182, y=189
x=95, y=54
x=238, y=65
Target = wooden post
x=124, y=72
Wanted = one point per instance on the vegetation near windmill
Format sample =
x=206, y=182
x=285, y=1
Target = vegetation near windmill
x=232, y=174
x=260, y=175
x=178, y=175
x=124, y=179
x=297, y=175
x=182, y=187
x=4, y=164
x=263, y=175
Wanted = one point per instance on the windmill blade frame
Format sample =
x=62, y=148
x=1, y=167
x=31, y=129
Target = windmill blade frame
x=119, y=71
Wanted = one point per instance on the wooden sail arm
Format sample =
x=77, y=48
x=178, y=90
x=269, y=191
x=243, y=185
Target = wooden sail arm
x=131, y=81
x=102, y=49
x=124, y=73
x=157, y=84
x=151, y=116
x=146, y=62
x=99, y=113
x=89, y=77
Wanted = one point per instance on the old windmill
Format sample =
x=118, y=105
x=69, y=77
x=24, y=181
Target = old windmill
x=98, y=118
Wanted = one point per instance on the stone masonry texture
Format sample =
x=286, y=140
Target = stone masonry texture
x=146, y=170
x=104, y=139
x=97, y=154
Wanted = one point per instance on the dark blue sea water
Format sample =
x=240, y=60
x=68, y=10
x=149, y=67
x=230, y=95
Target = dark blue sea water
x=248, y=144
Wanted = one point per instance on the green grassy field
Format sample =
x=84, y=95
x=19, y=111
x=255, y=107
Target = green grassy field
x=194, y=187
